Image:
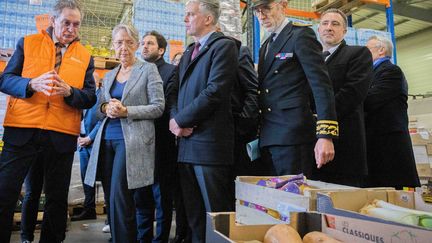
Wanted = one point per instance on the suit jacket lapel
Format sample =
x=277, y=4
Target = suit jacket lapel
x=203, y=50
x=277, y=45
x=338, y=50
x=109, y=82
x=185, y=62
x=133, y=79
x=262, y=52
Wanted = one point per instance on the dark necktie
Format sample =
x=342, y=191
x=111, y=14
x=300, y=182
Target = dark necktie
x=195, y=50
x=270, y=42
x=325, y=54
x=58, y=60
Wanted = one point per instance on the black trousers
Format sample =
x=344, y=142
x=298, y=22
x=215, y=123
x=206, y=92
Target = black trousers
x=289, y=160
x=15, y=162
x=206, y=188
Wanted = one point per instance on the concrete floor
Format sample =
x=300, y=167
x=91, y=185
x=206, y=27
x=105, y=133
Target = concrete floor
x=86, y=231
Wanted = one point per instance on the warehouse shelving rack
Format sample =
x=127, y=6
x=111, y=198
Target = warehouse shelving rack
x=302, y=9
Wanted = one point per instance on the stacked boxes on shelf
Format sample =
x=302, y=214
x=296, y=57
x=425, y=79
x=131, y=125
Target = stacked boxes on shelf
x=164, y=16
x=17, y=19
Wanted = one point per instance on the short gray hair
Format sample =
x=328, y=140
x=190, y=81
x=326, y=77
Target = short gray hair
x=211, y=6
x=130, y=30
x=337, y=11
x=62, y=4
x=384, y=42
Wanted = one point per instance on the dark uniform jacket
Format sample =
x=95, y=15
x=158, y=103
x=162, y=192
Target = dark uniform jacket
x=294, y=68
x=245, y=96
x=350, y=70
x=203, y=102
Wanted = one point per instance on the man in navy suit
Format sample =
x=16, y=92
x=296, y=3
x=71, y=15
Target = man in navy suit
x=159, y=195
x=201, y=116
x=89, y=128
x=290, y=70
x=350, y=70
x=389, y=149
x=49, y=80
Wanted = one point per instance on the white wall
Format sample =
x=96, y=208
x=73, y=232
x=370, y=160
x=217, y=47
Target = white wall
x=414, y=56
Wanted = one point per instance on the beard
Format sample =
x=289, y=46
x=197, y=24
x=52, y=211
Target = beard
x=151, y=57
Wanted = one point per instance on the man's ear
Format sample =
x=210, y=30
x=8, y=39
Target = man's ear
x=52, y=19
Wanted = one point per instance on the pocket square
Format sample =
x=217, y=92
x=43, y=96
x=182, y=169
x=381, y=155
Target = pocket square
x=284, y=55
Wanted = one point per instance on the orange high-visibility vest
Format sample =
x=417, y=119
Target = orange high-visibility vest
x=42, y=111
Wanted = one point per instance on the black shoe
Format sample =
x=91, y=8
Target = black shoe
x=180, y=239
x=85, y=214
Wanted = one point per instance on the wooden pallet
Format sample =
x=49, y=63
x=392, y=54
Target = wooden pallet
x=17, y=220
x=106, y=62
x=346, y=6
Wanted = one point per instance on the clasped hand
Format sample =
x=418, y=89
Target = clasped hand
x=50, y=83
x=178, y=131
x=115, y=109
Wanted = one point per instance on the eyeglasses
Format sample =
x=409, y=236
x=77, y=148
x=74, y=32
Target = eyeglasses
x=128, y=43
x=264, y=10
x=68, y=24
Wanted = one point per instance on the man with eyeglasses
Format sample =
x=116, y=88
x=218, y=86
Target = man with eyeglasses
x=290, y=70
x=389, y=149
x=49, y=80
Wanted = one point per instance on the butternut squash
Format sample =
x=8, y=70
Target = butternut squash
x=318, y=237
x=282, y=233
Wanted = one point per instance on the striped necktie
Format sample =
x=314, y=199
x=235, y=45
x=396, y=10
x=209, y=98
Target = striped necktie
x=58, y=60
x=195, y=50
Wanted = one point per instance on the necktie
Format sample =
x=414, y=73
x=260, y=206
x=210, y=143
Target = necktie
x=195, y=50
x=271, y=40
x=325, y=55
x=58, y=60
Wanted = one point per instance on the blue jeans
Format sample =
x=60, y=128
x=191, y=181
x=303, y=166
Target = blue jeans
x=33, y=188
x=15, y=162
x=122, y=204
x=89, y=192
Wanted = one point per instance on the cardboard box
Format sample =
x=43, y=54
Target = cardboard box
x=349, y=203
x=277, y=201
x=424, y=170
x=417, y=139
x=420, y=154
x=420, y=204
x=429, y=149
x=222, y=228
x=354, y=230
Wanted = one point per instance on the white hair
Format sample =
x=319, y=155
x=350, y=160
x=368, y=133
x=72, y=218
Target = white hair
x=384, y=42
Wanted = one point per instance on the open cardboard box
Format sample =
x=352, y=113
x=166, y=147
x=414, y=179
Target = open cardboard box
x=222, y=228
x=349, y=203
x=283, y=202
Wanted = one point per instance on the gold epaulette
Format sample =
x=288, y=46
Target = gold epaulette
x=327, y=127
x=300, y=24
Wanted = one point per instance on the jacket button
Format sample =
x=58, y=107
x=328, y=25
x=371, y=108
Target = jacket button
x=259, y=91
x=276, y=72
x=267, y=91
x=269, y=109
x=260, y=111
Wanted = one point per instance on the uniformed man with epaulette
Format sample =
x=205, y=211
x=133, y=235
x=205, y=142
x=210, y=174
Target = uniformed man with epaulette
x=290, y=70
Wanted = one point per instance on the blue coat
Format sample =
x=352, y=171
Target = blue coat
x=203, y=102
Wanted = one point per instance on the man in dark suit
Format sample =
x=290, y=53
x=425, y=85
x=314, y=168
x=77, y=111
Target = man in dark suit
x=245, y=112
x=159, y=195
x=350, y=70
x=202, y=118
x=389, y=149
x=290, y=69
x=49, y=79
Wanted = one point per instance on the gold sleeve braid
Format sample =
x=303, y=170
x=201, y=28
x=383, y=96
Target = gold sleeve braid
x=327, y=128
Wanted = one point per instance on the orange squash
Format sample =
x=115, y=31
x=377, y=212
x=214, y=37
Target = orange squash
x=282, y=233
x=318, y=237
